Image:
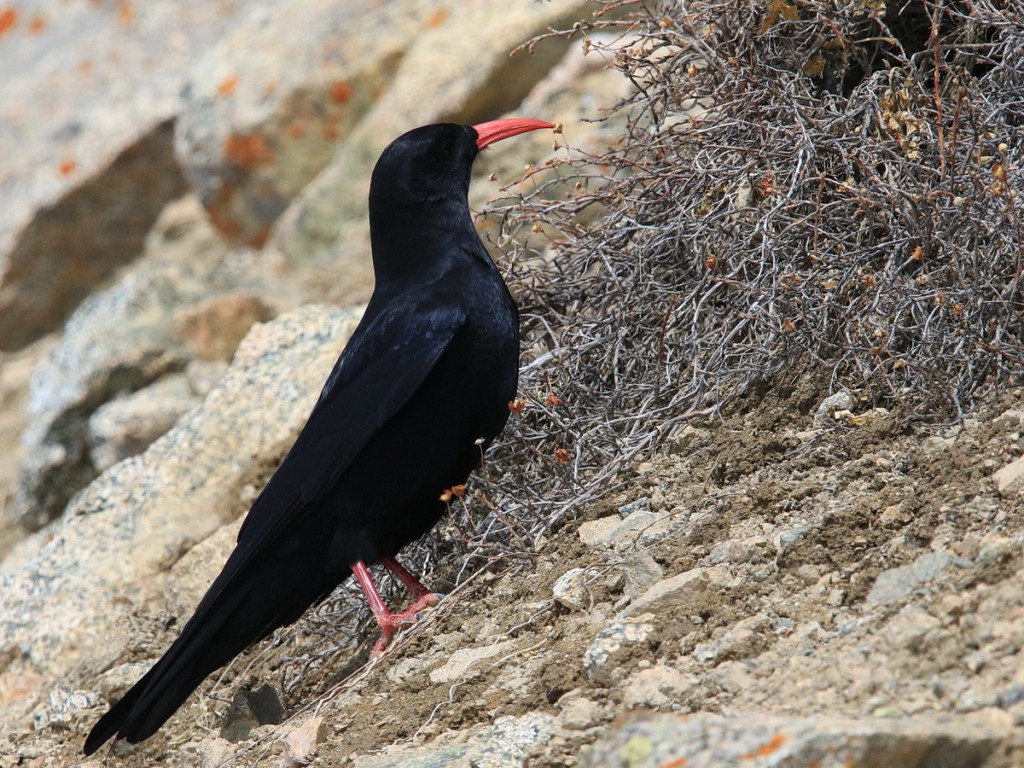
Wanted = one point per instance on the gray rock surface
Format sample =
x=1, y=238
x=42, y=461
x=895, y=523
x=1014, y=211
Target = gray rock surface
x=686, y=593
x=1009, y=479
x=603, y=658
x=461, y=663
x=896, y=584
x=123, y=339
x=15, y=373
x=711, y=741
x=570, y=590
x=125, y=427
x=266, y=107
x=640, y=572
x=86, y=157
x=508, y=743
x=145, y=513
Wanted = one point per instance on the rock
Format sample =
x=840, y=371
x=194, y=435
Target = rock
x=1009, y=479
x=63, y=707
x=213, y=328
x=603, y=658
x=1010, y=420
x=640, y=571
x=135, y=522
x=599, y=532
x=300, y=743
x=744, y=639
x=325, y=229
x=641, y=528
x=578, y=712
x=689, y=592
x=426, y=757
x=122, y=340
x=710, y=741
x=15, y=373
x=250, y=709
x=116, y=681
x=825, y=413
x=638, y=528
x=508, y=743
x=127, y=426
x=741, y=550
x=660, y=687
x=460, y=663
x=913, y=632
x=266, y=107
x=86, y=156
x=687, y=439
x=897, y=584
x=570, y=589
x=643, y=504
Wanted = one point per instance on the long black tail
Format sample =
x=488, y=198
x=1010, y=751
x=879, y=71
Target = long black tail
x=244, y=604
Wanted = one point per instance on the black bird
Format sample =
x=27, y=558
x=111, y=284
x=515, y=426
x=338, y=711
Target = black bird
x=419, y=392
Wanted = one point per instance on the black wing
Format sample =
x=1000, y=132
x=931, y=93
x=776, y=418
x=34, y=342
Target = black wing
x=386, y=360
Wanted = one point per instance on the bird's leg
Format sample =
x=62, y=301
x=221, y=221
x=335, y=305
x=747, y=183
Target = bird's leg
x=422, y=597
x=389, y=622
x=411, y=582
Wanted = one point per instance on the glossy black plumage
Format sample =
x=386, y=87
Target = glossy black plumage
x=427, y=374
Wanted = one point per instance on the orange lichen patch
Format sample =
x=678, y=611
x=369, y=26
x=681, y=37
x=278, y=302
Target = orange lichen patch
x=341, y=92
x=85, y=66
x=225, y=224
x=772, y=746
x=8, y=18
x=331, y=133
x=766, y=749
x=247, y=151
x=67, y=167
x=126, y=12
x=436, y=19
x=227, y=86
x=269, y=88
x=37, y=24
x=218, y=205
x=295, y=130
x=259, y=239
x=679, y=762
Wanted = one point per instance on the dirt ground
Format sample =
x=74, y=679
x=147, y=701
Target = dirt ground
x=865, y=570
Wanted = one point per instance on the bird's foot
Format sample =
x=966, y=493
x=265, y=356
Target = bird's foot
x=391, y=623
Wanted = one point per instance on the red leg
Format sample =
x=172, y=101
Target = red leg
x=411, y=582
x=389, y=622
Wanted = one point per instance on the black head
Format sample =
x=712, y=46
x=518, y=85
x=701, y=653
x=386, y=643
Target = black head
x=419, y=213
x=424, y=168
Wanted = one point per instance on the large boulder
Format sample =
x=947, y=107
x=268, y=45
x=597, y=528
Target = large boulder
x=266, y=107
x=151, y=323
x=445, y=74
x=63, y=608
x=87, y=101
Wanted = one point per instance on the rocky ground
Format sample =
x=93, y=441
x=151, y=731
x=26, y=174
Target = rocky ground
x=847, y=594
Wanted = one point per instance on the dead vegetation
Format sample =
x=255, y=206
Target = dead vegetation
x=803, y=187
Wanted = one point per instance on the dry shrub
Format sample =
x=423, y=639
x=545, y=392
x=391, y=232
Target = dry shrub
x=815, y=185
x=806, y=185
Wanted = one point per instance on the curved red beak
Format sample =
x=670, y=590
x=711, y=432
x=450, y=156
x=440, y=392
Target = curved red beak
x=497, y=130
